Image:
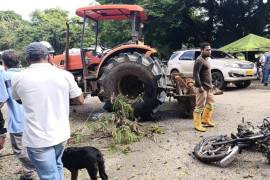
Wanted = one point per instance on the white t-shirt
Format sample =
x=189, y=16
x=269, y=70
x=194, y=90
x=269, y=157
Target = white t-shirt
x=262, y=59
x=45, y=92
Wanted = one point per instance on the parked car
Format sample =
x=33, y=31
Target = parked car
x=224, y=67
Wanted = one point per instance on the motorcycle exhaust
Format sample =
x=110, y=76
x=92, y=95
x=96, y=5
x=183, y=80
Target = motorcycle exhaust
x=228, y=159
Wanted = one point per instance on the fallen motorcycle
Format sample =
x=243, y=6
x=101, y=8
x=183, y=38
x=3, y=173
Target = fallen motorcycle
x=222, y=149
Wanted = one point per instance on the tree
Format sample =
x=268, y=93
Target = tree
x=164, y=28
x=50, y=25
x=228, y=20
x=12, y=30
x=171, y=25
x=113, y=33
x=174, y=24
x=76, y=33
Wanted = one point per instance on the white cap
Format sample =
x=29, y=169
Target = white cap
x=48, y=46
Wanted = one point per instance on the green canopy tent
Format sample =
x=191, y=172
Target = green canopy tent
x=250, y=44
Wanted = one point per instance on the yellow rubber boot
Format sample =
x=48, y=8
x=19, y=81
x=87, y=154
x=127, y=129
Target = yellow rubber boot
x=207, y=116
x=197, y=122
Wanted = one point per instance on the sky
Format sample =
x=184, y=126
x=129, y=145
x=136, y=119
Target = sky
x=25, y=7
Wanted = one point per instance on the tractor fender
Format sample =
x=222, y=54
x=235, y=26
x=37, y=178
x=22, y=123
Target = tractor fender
x=143, y=49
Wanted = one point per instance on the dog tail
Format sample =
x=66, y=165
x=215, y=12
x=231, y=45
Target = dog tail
x=101, y=167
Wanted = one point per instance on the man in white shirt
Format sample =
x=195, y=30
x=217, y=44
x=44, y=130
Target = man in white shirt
x=44, y=92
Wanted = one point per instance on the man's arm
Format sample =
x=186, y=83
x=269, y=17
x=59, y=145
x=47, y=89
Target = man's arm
x=78, y=100
x=14, y=84
x=75, y=93
x=196, y=74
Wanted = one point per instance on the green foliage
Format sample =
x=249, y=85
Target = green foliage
x=12, y=29
x=171, y=25
x=156, y=129
x=50, y=26
x=78, y=138
x=126, y=131
x=104, y=124
x=114, y=148
x=76, y=27
x=124, y=135
x=174, y=24
x=119, y=125
x=239, y=18
x=123, y=108
x=165, y=29
x=113, y=33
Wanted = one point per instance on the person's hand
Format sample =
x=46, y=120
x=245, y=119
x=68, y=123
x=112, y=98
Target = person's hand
x=77, y=100
x=201, y=89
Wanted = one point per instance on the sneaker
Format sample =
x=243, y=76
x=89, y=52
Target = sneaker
x=265, y=84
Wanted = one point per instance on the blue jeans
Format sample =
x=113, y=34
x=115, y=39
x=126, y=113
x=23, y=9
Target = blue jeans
x=47, y=161
x=266, y=74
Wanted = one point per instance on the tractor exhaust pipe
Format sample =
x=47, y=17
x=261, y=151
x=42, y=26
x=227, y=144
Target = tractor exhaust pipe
x=67, y=47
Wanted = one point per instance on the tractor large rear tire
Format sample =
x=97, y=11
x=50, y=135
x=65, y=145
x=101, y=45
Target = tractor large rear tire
x=135, y=76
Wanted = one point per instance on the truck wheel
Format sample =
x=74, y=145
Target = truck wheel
x=218, y=80
x=135, y=76
x=243, y=84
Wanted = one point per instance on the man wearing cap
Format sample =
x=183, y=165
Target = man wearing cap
x=44, y=92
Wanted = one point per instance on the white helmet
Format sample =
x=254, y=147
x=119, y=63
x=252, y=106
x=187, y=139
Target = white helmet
x=48, y=46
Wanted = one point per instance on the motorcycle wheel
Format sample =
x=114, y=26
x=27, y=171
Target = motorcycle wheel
x=206, y=152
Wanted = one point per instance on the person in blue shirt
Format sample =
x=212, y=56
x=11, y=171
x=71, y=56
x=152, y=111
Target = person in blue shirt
x=3, y=96
x=15, y=124
x=266, y=69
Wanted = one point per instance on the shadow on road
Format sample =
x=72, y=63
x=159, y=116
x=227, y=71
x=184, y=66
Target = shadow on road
x=172, y=110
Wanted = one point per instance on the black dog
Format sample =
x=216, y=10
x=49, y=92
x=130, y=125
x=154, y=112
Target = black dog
x=75, y=158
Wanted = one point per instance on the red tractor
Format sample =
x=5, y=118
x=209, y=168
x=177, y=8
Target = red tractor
x=130, y=69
